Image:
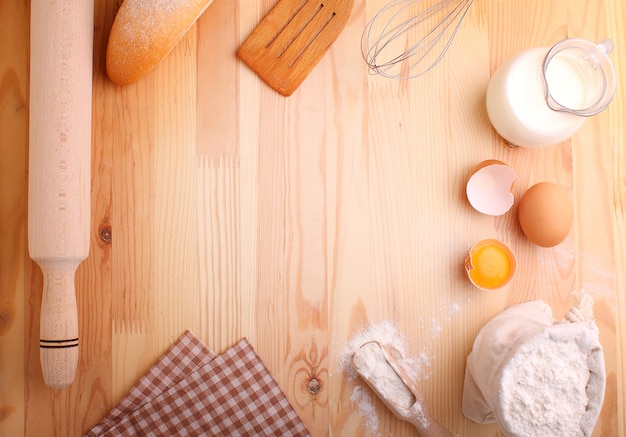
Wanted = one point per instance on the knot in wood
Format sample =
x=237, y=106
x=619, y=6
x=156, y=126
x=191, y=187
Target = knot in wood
x=314, y=386
x=106, y=235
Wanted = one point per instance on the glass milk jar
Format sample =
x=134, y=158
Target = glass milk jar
x=543, y=95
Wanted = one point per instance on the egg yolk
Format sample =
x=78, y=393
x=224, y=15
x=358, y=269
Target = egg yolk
x=491, y=266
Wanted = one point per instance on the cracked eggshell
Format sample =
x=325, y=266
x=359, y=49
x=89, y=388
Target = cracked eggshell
x=489, y=188
x=490, y=264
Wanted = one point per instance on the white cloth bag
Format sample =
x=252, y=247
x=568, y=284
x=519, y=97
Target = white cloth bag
x=524, y=327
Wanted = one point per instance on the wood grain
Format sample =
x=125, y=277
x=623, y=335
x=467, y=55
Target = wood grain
x=220, y=206
x=14, y=270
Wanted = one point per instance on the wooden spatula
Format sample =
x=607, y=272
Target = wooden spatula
x=292, y=38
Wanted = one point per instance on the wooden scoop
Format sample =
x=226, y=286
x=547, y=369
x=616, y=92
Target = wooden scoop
x=292, y=38
x=378, y=367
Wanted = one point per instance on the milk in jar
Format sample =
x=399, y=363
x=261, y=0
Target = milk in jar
x=516, y=101
x=579, y=82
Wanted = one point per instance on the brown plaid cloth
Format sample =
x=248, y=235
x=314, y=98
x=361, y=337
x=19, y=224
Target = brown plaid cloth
x=233, y=395
x=185, y=356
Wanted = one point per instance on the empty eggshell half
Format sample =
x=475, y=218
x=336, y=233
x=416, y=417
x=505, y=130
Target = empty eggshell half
x=489, y=188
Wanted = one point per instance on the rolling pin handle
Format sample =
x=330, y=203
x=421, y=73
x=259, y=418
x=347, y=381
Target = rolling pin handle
x=59, y=326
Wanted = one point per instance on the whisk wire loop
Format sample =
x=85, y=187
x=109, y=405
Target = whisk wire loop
x=418, y=55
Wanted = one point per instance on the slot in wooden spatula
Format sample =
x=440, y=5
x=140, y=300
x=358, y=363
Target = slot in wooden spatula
x=291, y=40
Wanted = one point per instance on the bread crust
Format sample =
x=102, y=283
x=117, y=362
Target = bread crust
x=144, y=32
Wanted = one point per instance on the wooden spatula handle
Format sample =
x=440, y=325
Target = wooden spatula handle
x=61, y=59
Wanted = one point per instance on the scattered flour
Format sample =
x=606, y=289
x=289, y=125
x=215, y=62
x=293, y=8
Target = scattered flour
x=416, y=368
x=384, y=333
x=363, y=398
x=442, y=315
x=435, y=327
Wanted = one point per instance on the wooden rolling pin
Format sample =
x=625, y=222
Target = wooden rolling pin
x=59, y=180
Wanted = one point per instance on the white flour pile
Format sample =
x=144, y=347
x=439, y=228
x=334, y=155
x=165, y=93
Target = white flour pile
x=416, y=368
x=534, y=376
x=546, y=388
x=384, y=333
x=371, y=363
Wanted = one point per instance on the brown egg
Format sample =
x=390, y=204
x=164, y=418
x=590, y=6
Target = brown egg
x=546, y=214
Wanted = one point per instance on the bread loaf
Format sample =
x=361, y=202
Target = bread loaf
x=144, y=32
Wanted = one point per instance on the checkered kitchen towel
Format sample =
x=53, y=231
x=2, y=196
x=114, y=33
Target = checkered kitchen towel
x=232, y=395
x=185, y=356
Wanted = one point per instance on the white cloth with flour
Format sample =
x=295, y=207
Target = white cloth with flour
x=535, y=377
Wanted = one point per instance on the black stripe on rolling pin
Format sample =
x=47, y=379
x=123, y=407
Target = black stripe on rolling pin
x=58, y=344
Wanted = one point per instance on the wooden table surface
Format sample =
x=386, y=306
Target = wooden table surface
x=222, y=207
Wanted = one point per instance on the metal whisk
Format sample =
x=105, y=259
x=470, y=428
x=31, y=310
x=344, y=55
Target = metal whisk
x=407, y=38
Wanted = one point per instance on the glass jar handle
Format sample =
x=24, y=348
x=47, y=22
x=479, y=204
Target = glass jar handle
x=604, y=47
